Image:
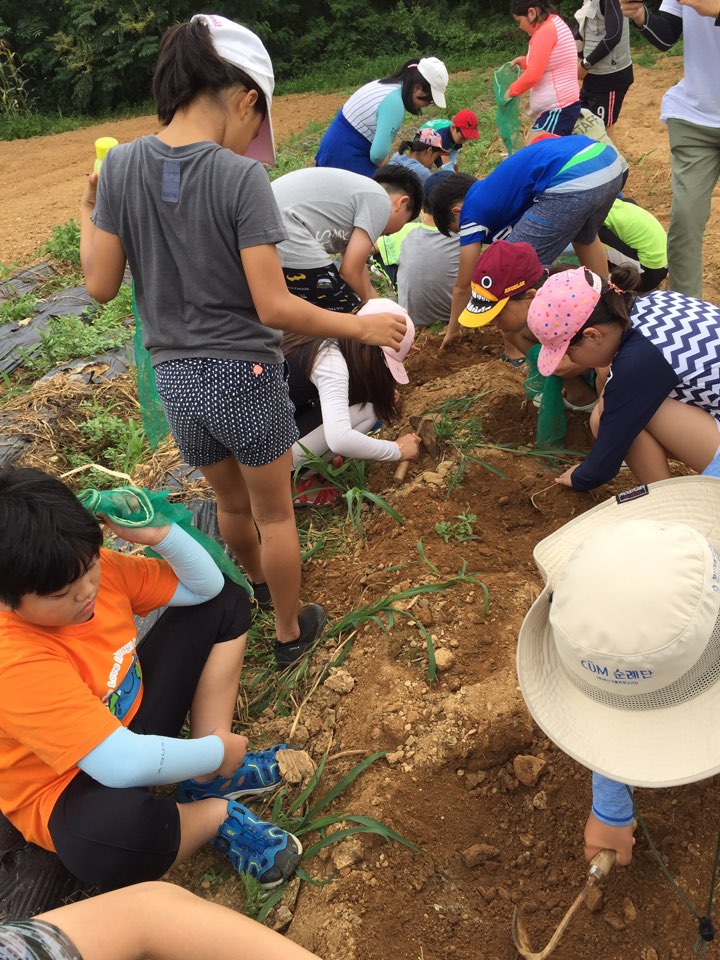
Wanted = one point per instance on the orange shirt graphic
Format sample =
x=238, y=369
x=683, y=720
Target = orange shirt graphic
x=63, y=690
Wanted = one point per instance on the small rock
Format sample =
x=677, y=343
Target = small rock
x=527, y=769
x=434, y=479
x=629, y=910
x=539, y=801
x=615, y=922
x=443, y=659
x=339, y=681
x=282, y=917
x=424, y=615
x=503, y=501
x=396, y=757
x=347, y=853
x=649, y=953
x=478, y=853
x=594, y=899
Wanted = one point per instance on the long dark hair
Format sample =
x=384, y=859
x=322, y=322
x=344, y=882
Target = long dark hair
x=188, y=65
x=409, y=76
x=370, y=377
x=617, y=299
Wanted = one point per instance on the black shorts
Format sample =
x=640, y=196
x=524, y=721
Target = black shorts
x=560, y=121
x=322, y=286
x=605, y=104
x=110, y=837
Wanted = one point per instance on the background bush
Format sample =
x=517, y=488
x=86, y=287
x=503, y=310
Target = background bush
x=92, y=56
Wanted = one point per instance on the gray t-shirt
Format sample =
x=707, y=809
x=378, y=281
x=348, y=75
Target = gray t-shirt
x=427, y=270
x=183, y=214
x=320, y=207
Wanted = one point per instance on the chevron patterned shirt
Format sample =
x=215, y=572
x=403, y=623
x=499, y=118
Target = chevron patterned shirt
x=672, y=350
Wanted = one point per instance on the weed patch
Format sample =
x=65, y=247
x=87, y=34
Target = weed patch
x=64, y=244
x=18, y=309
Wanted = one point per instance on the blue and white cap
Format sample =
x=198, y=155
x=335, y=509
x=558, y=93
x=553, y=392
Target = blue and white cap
x=619, y=658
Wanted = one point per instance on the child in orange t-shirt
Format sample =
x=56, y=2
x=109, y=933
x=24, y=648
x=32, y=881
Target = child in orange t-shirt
x=90, y=718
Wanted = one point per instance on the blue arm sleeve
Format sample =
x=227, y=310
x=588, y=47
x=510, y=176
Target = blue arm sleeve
x=612, y=802
x=390, y=115
x=127, y=759
x=641, y=380
x=713, y=468
x=200, y=579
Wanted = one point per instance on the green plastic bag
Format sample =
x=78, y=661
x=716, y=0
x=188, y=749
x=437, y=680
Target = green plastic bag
x=551, y=422
x=507, y=115
x=138, y=507
x=152, y=411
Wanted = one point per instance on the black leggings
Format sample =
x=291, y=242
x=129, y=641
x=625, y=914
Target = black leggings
x=111, y=837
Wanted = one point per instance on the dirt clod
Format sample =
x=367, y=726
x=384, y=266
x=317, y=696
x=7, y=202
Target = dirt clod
x=339, y=680
x=595, y=899
x=527, y=769
x=478, y=853
x=296, y=766
x=443, y=659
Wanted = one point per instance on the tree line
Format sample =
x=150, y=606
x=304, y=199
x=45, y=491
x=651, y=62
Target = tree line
x=91, y=56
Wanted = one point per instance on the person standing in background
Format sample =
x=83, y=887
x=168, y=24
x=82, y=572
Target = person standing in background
x=605, y=68
x=691, y=110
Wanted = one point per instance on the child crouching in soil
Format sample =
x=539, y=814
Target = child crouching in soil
x=618, y=658
x=90, y=719
x=504, y=284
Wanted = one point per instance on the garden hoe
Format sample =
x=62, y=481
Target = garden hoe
x=599, y=869
x=425, y=429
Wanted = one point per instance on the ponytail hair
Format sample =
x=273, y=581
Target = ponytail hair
x=369, y=375
x=188, y=66
x=617, y=299
x=409, y=77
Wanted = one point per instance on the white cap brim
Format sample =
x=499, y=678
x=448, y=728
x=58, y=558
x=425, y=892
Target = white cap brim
x=438, y=96
x=650, y=748
x=262, y=147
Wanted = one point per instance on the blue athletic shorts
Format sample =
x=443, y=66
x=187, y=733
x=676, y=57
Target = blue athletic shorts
x=560, y=121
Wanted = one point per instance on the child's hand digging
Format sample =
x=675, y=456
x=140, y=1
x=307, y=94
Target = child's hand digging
x=601, y=836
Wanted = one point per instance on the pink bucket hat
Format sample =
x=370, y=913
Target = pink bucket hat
x=431, y=138
x=393, y=357
x=559, y=310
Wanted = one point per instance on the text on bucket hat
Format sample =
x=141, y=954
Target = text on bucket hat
x=619, y=657
x=467, y=123
x=559, y=311
x=435, y=72
x=430, y=138
x=245, y=50
x=393, y=357
x=502, y=271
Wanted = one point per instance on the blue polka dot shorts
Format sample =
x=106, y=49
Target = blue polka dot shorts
x=221, y=408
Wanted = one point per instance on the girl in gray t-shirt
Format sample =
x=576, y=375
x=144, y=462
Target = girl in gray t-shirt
x=195, y=219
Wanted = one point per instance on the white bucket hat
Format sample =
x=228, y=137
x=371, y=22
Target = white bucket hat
x=619, y=657
x=245, y=50
x=435, y=72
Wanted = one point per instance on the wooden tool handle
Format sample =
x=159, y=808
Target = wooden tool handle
x=601, y=864
x=401, y=470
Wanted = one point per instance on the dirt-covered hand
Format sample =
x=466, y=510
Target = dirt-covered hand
x=565, y=479
x=451, y=337
x=409, y=445
x=601, y=836
x=235, y=750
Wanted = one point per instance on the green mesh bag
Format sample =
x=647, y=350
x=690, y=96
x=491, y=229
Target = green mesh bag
x=507, y=115
x=551, y=422
x=152, y=411
x=138, y=507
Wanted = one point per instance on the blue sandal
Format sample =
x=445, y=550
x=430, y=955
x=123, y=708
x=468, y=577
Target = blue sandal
x=513, y=361
x=258, y=774
x=265, y=851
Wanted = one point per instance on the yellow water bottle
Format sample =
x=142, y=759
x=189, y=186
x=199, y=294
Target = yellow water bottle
x=102, y=145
